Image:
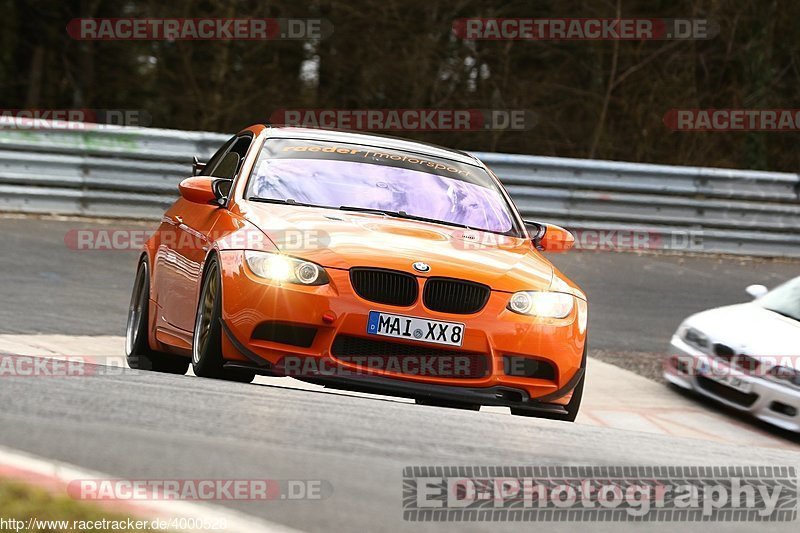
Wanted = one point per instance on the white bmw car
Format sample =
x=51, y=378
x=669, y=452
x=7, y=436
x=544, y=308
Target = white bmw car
x=746, y=356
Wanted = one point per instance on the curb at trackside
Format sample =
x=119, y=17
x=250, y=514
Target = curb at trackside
x=52, y=474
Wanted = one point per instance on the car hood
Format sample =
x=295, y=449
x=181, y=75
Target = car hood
x=338, y=239
x=750, y=329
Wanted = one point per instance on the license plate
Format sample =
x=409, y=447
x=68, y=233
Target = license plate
x=415, y=328
x=739, y=384
x=736, y=383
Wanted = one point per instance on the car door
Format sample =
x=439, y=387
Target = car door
x=195, y=226
x=173, y=267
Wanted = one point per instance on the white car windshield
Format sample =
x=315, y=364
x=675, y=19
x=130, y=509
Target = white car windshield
x=784, y=299
x=336, y=175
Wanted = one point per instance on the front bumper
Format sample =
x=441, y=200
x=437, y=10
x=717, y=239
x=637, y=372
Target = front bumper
x=771, y=402
x=335, y=310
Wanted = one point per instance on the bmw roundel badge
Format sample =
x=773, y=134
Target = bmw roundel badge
x=419, y=266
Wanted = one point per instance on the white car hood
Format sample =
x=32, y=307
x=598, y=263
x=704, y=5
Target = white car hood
x=749, y=329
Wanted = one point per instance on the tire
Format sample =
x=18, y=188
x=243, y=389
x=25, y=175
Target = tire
x=137, y=346
x=572, y=407
x=449, y=404
x=207, y=361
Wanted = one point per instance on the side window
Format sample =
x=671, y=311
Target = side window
x=217, y=158
x=227, y=162
x=240, y=147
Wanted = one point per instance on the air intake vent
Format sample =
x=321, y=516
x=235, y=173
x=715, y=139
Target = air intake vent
x=514, y=365
x=455, y=296
x=410, y=359
x=388, y=287
x=292, y=334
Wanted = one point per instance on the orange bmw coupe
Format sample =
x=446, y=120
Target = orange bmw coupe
x=360, y=262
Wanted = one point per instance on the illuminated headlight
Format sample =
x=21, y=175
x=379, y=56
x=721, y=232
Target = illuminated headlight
x=543, y=304
x=696, y=338
x=785, y=374
x=281, y=268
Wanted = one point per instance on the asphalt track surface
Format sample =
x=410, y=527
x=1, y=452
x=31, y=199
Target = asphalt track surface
x=141, y=425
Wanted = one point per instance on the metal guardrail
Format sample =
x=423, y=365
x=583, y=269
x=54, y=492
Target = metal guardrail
x=700, y=209
x=133, y=173
x=101, y=172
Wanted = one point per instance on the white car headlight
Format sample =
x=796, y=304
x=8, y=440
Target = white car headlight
x=281, y=268
x=542, y=304
x=696, y=338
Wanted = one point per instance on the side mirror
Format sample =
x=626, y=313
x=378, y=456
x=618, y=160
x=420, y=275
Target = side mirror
x=549, y=237
x=197, y=166
x=203, y=190
x=756, y=291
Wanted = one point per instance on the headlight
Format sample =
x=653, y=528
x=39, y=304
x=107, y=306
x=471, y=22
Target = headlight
x=543, y=304
x=281, y=268
x=785, y=373
x=696, y=338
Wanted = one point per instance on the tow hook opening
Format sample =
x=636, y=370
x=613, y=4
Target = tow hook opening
x=509, y=395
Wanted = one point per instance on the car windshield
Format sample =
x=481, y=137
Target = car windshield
x=403, y=184
x=784, y=299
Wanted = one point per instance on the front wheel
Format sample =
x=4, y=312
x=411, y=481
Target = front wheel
x=137, y=347
x=207, y=358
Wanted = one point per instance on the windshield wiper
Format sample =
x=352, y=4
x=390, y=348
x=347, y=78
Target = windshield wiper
x=287, y=201
x=373, y=210
x=357, y=209
x=401, y=214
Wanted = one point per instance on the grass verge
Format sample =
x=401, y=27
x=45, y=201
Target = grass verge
x=37, y=510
